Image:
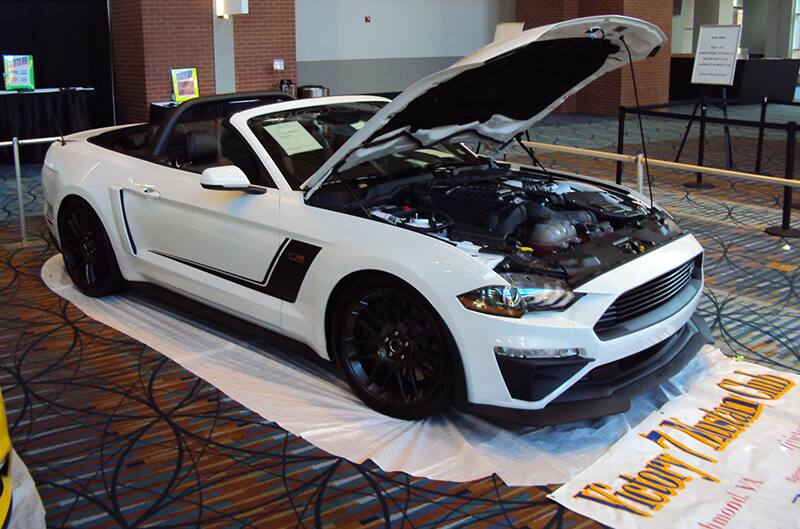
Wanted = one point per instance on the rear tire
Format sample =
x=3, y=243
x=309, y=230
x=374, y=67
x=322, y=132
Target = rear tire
x=393, y=348
x=88, y=255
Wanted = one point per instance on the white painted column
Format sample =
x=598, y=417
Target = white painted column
x=224, y=63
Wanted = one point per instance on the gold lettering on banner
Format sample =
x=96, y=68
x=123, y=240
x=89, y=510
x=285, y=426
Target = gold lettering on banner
x=664, y=476
x=664, y=441
x=650, y=488
x=763, y=387
x=714, y=430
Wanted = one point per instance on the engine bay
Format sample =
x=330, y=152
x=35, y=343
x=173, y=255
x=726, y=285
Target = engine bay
x=522, y=220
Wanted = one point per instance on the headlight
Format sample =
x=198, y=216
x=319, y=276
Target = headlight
x=526, y=293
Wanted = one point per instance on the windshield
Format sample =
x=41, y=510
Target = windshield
x=299, y=141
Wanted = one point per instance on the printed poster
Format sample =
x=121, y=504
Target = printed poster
x=724, y=455
x=184, y=84
x=18, y=72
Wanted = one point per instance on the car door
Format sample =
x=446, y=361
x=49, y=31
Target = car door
x=215, y=246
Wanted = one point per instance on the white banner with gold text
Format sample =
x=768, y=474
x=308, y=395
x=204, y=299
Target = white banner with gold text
x=724, y=455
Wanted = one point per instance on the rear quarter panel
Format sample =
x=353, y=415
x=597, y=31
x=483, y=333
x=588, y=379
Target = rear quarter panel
x=95, y=174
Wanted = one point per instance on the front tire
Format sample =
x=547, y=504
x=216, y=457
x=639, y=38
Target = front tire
x=88, y=255
x=393, y=348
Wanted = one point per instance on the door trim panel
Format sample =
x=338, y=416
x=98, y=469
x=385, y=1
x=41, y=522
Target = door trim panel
x=283, y=277
x=125, y=220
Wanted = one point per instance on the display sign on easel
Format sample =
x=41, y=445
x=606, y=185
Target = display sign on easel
x=714, y=65
x=715, y=58
x=18, y=72
x=184, y=84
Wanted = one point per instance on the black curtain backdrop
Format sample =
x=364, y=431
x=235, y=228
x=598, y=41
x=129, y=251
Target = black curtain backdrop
x=70, y=45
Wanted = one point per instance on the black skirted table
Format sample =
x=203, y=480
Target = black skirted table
x=39, y=114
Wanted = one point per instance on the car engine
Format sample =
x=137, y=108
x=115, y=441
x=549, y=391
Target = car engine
x=520, y=220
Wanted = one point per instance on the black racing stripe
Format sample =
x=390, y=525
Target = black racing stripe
x=239, y=280
x=286, y=271
x=291, y=270
x=275, y=257
x=224, y=273
x=125, y=220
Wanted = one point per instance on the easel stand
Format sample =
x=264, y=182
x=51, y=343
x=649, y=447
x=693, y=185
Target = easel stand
x=701, y=144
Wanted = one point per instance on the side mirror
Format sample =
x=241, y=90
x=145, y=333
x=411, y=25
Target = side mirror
x=228, y=178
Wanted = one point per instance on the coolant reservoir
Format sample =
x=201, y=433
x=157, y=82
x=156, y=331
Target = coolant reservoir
x=547, y=237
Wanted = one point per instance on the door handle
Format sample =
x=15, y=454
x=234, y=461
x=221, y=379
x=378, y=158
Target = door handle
x=149, y=192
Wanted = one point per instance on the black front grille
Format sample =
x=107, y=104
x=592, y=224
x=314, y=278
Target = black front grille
x=648, y=297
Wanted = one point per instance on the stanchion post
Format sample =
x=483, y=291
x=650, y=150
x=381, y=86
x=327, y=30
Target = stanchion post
x=760, y=144
x=620, y=141
x=686, y=132
x=727, y=130
x=23, y=228
x=785, y=229
x=640, y=172
x=701, y=148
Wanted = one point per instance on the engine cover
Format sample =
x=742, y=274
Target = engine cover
x=605, y=205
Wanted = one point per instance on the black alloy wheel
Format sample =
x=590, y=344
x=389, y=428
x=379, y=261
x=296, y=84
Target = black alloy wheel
x=393, y=348
x=88, y=255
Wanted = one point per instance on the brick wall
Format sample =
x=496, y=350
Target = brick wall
x=266, y=33
x=177, y=34
x=604, y=96
x=129, y=80
x=541, y=12
x=151, y=36
x=652, y=75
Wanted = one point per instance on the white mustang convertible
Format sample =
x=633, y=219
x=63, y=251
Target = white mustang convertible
x=367, y=230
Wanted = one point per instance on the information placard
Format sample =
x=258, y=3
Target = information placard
x=18, y=72
x=184, y=84
x=293, y=137
x=715, y=59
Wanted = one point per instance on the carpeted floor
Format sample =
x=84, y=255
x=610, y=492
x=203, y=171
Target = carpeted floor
x=116, y=435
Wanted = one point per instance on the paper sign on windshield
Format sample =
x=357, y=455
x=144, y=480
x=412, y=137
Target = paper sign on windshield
x=292, y=137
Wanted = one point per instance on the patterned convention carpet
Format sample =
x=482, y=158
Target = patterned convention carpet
x=116, y=435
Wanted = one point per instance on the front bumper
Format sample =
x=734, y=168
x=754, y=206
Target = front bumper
x=488, y=380
x=594, y=397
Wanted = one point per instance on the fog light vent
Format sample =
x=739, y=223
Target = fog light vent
x=513, y=352
x=48, y=213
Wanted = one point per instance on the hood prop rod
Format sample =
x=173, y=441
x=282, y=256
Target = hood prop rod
x=352, y=193
x=532, y=154
x=641, y=127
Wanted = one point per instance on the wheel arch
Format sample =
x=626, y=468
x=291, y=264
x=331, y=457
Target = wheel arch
x=73, y=194
x=67, y=199
x=460, y=382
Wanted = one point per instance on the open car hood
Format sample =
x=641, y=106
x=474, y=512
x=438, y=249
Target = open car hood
x=498, y=91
